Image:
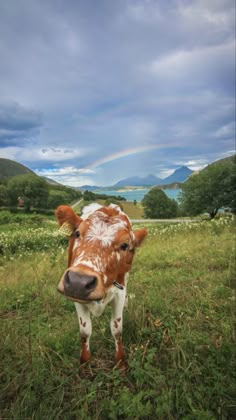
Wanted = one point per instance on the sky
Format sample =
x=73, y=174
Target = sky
x=94, y=91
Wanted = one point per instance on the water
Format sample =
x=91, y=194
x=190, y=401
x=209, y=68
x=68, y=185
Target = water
x=138, y=194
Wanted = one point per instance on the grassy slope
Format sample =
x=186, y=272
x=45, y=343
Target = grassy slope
x=10, y=168
x=178, y=335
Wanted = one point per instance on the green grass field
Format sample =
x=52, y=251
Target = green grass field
x=179, y=331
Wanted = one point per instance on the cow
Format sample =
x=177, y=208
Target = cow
x=100, y=254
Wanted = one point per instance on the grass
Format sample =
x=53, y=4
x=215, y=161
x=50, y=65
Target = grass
x=179, y=333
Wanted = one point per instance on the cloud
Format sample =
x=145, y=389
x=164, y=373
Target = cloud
x=18, y=122
x=68, y=175
x=83, y=82
x=33, y=155
x=196, y=68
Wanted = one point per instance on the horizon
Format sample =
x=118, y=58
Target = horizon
x=134, y=176
x=94, y=94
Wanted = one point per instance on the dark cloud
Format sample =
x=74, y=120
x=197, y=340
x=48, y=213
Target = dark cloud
x=17, y=122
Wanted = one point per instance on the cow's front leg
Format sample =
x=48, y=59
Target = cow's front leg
x=85, y=326
x=116, y=325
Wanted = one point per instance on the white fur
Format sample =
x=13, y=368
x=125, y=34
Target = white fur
x=90, y=209
x=104, y=232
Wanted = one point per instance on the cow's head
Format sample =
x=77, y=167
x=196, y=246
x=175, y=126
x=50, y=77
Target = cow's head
x=101, y=250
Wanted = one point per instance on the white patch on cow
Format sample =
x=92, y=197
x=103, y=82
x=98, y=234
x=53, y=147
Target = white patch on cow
x=118, y=256
x=105, y=279
x=115, y=206
x=104, y=232
x=76, y=245
x=94, y=263
x=112, y=294
x=78, y=259
x=89, y=264
x=90, y=209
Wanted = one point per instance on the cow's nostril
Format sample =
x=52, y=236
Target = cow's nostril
x=92, y=283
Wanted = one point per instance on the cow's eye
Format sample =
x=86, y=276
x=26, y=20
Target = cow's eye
x=77, y=234
x=124, y=246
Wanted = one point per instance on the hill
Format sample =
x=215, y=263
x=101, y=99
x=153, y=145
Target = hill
x=230, y=160
x=9, y=168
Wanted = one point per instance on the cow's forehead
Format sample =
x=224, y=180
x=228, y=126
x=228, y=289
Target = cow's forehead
x=105, y=223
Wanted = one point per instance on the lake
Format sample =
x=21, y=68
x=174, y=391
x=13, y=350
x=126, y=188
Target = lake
x=138, y=194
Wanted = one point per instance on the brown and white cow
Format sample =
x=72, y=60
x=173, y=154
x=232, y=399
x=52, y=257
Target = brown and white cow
x=100, y=253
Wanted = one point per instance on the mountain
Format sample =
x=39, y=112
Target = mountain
x=179, y=175
x=88, y=188
x=136, y=181
x=9, y=168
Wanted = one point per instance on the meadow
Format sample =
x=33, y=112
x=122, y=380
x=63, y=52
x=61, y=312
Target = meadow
x=178, y=335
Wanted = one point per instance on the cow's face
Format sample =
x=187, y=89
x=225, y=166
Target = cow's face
x=101, y=251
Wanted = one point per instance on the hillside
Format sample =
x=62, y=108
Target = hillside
x=231, y=160
x=9, y=168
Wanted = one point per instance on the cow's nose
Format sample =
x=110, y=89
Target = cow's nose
x=78, y=285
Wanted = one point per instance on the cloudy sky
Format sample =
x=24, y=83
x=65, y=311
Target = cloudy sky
x=93, y=91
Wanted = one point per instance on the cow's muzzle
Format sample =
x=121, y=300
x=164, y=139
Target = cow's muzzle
x=79, y=286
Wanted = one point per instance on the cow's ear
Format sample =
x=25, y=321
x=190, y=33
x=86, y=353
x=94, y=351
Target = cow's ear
x=67, y=219
x=139, y=236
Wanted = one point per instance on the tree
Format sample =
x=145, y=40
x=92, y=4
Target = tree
x=158, y=206
x=57, y=198
x=3, y=195
x=210, y=189
x=32, y=189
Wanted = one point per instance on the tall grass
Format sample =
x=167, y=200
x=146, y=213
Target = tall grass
x=178, y=333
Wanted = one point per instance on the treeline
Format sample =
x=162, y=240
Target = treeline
x=90, y=196
x=33, y=192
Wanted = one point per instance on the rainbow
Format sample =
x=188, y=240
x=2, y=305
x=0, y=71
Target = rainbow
x=120, y=155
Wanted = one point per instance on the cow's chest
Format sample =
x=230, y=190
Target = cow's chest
x=97, y=308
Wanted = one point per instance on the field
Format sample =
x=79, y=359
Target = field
x=178, y=330
x=134, y=211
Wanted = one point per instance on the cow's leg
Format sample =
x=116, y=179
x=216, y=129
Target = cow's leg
x=85, y=326
x=116, y=325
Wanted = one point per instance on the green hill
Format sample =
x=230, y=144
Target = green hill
x=9, y=168
x=230, y=160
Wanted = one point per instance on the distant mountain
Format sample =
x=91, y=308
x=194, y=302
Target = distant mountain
x=179, y=175
x=88, y=188
x=9, y=168
x=136, y=181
